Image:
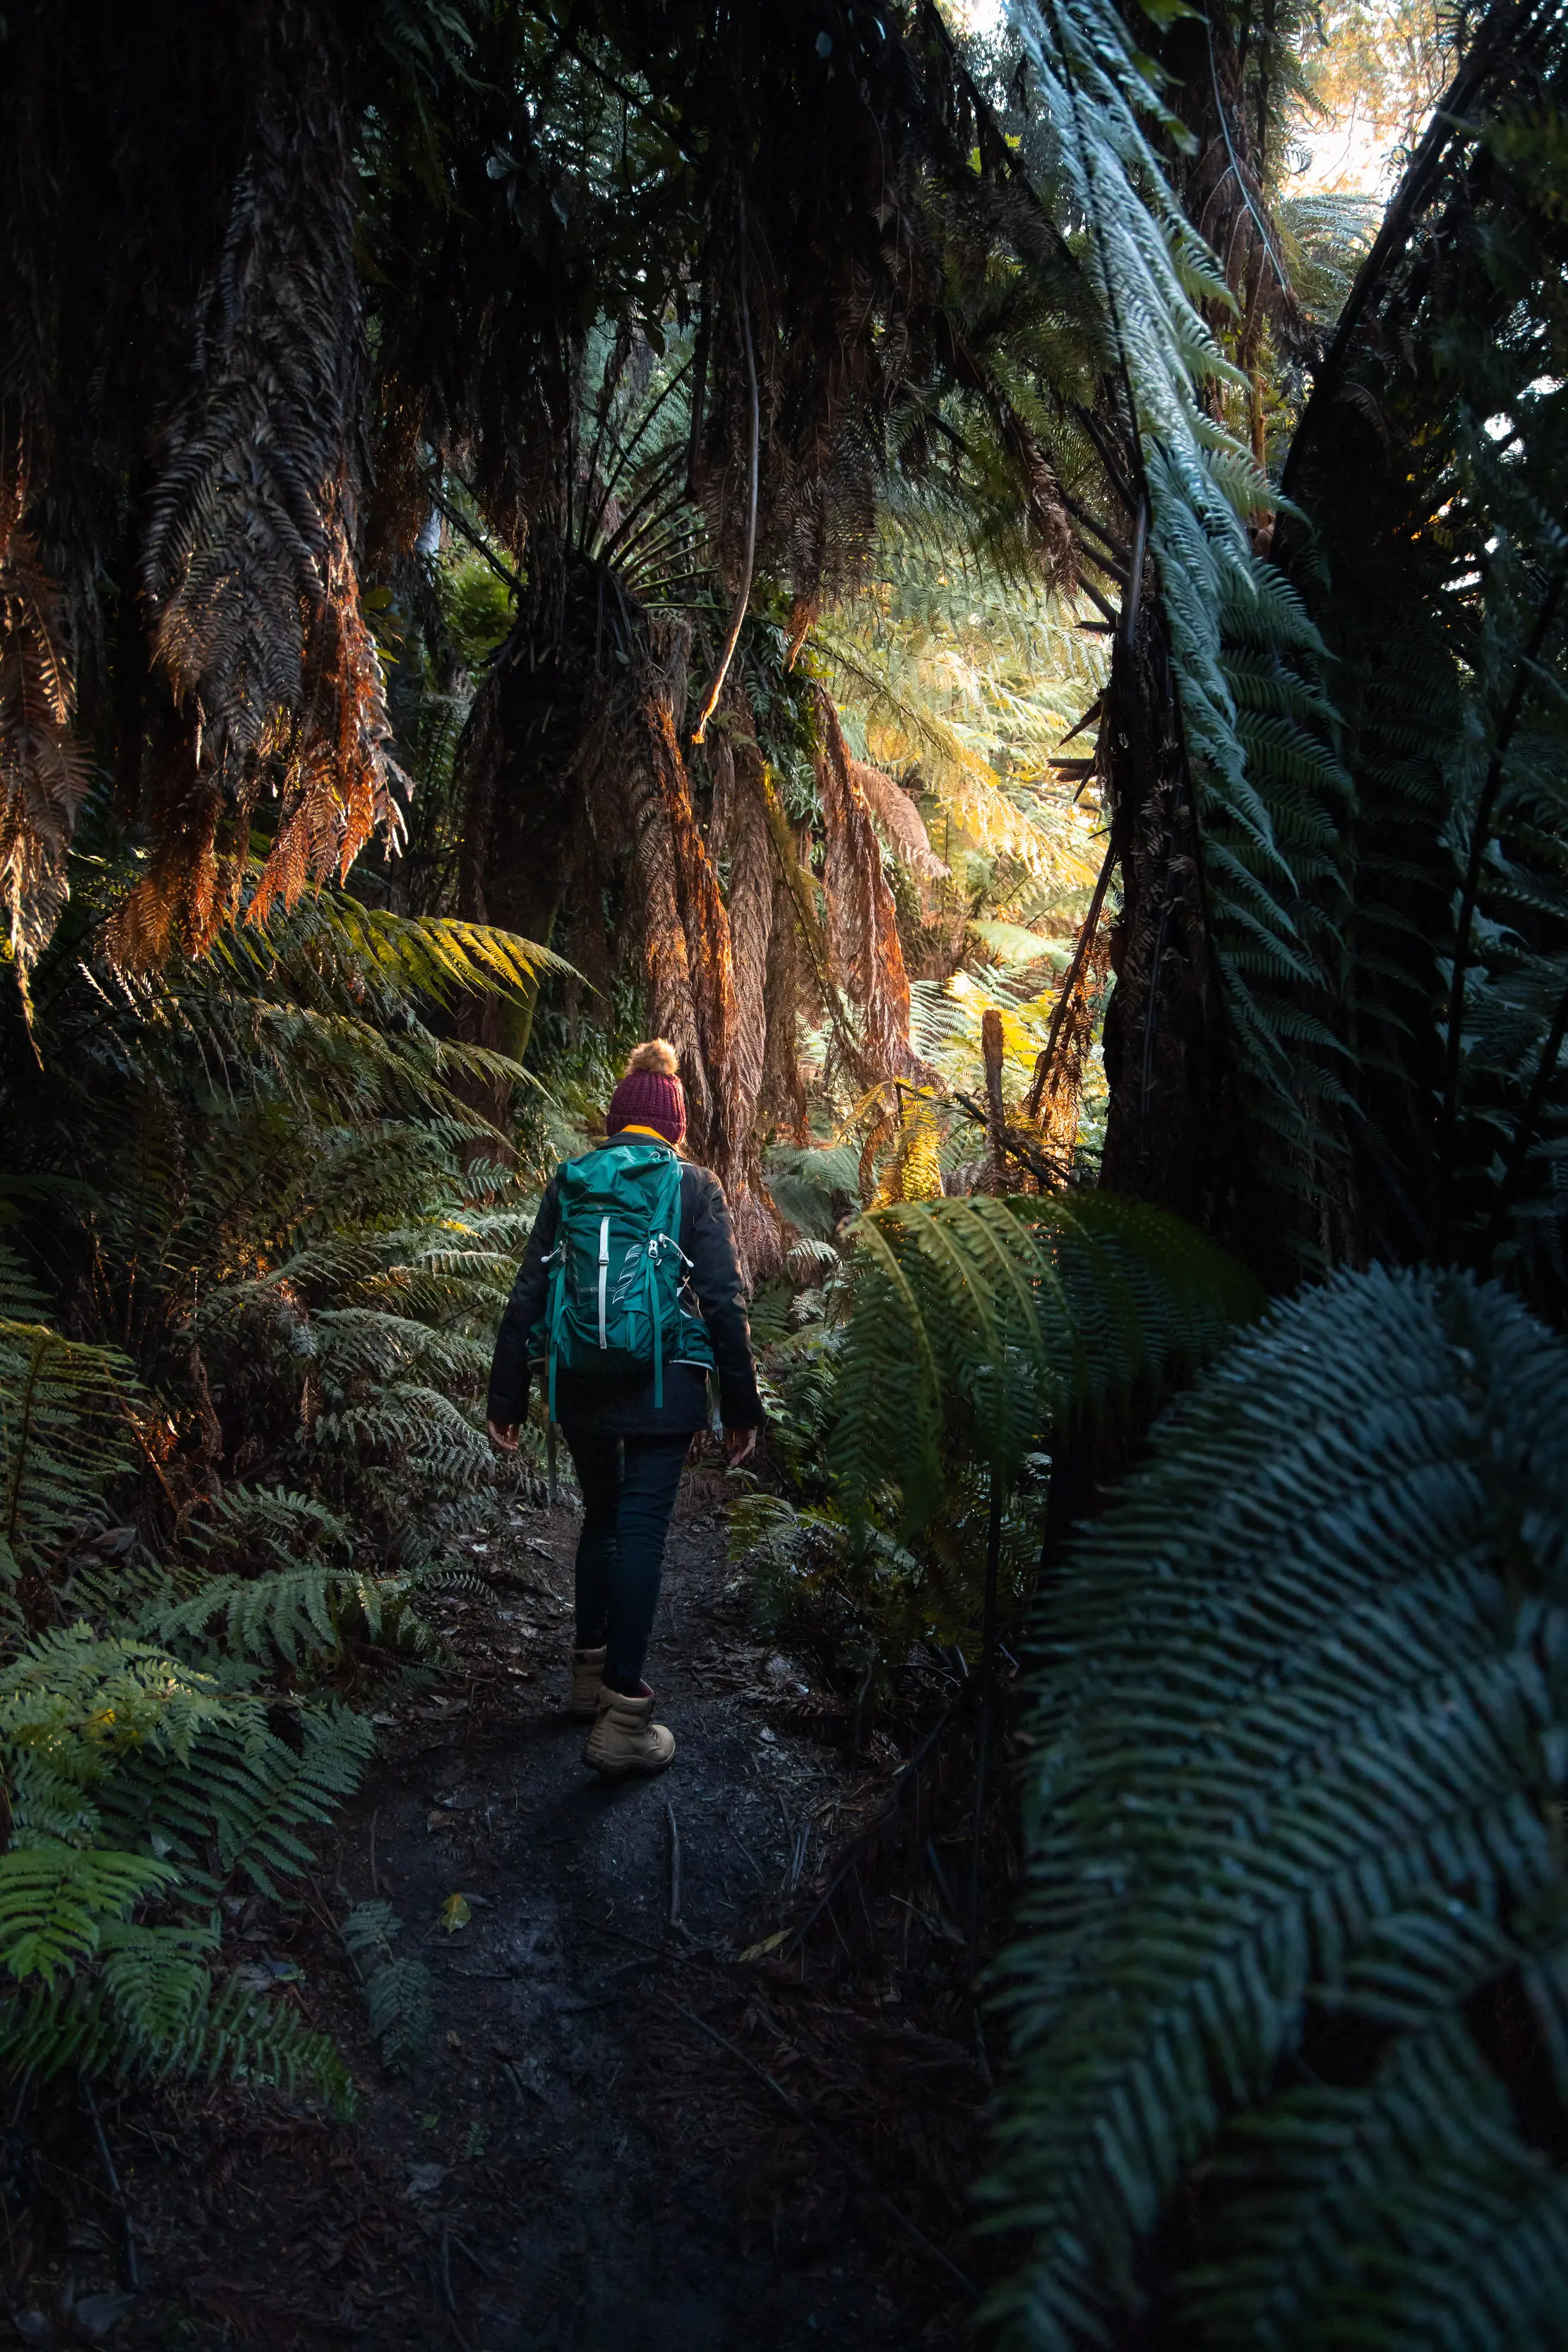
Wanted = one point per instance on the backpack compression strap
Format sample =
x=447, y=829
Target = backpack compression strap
x=656, y=1243
x=603, y=1279
x=651, y=1263
x=555, y=1317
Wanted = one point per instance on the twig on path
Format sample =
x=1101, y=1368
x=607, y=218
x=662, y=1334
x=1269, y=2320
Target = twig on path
x=787, y=1881
x=133, y=2263
x=747, y=1854
x=825, y=2139
x=798, y=1862
x=524, y=2089
x=480, y=2265
x=444, y=2290
x=633, y=1968
x=859, y=1706
x=375, y=1881
x=322, y=1909
x=797, y=1844
x=690, y=1950
x=674, y=1866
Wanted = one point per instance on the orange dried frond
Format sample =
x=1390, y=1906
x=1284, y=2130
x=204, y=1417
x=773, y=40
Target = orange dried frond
x=43, y=770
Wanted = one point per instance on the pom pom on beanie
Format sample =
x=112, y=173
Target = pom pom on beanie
x=651, y=1094
x=656, y=1054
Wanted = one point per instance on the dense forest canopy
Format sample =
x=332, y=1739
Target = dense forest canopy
x=483, y=440
x=936, y=563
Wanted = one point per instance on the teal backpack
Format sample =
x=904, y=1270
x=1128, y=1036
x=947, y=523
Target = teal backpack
x=616, y=1272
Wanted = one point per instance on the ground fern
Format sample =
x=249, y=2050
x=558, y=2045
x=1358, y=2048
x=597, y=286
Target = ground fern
x=398, y=1991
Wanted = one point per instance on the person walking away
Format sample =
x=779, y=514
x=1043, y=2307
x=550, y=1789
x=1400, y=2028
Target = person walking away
x=629, y=1294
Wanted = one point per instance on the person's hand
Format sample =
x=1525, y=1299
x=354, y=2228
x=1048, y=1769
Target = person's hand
x=740, y=1445
x=504, y=1434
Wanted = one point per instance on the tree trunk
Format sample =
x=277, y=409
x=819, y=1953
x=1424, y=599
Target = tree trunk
x=1165, y=1132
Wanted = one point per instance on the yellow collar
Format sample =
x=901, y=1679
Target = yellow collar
x=632, y=1129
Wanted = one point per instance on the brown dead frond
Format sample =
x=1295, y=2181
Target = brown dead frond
x=247, y=566
x=789, y=999
x=1054, y=1097
x=684, y=929
x=43, y=768
x=194, y=873
x=753, y=915
x=900, y=819
x=341, y=776
x=865, y=954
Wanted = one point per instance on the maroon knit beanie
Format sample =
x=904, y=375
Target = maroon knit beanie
x=650, y=1095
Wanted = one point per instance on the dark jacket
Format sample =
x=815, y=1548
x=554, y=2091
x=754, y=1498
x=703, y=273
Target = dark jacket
x=625, y=1407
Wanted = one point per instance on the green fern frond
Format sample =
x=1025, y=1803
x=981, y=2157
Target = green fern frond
x=398, y=1992
x=250, y=1802
x=150, y=2014
x=1296, y=1792
x=1004, y=1312
x=277, y=1519
x=75, y=1708
x=65, y=1432
x=21, y=1299
x=339, y=948
x=293, y=1610
x=54, y=1902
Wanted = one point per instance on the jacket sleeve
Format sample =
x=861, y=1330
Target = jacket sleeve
x=709, y=1240
x=510, y=1370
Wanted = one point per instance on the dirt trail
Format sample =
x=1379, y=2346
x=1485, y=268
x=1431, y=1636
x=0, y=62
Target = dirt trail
x=574, y=2163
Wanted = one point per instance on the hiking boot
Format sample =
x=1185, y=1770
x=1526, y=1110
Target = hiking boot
x=587, y=1674
x=626, y=1738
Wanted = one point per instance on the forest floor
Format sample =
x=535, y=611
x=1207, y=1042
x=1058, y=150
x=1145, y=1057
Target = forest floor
x=588, y=2153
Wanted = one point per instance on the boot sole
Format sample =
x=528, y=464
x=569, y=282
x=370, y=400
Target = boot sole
x=627, y=1772
x=582, y=1710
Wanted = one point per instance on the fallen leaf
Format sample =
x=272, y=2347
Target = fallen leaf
x=456, y=1912
x=768, y=1944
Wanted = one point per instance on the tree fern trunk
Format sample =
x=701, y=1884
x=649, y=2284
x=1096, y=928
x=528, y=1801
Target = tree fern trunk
x=1165, y=1135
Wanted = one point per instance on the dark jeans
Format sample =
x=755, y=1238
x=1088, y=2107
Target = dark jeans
x=628, y=1492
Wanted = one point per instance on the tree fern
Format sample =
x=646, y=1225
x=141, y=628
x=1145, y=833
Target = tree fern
x=1270, y=790
x=1290, y=1959
x=1432, y=465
